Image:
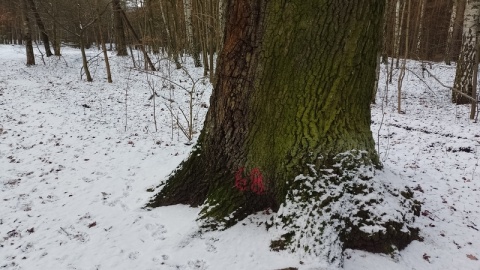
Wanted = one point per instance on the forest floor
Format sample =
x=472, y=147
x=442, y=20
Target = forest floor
x=77, y=159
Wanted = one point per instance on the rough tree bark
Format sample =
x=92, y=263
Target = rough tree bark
x=466, y=61
x=291, y=105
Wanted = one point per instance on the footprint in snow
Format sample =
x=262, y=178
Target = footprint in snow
x=211, y=244
x=158, y=231
x=133, y=255
x=197, y=264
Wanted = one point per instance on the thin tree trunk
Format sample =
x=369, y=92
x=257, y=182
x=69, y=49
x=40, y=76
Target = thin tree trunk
x=84, y=57
x=450, y=34
x=385, y=32
x=149, y=27
x=473, y=108
x=56, y=40
x=189, y=30
x=120, y=42
x=104, y=47
x=399, y=14
x=41, y=27
x=420, y=20
x=395, y=37
x=56, y=43
x=172, y=41
x=176, y=38
x=137, y=39
x=404, y=62
x=27, y=34
x=221, y=24
x=212, y=42
x=203, y=35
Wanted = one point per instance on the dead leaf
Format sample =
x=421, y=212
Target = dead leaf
x=426, y=257
x=471, y=257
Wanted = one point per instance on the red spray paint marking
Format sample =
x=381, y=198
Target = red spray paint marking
x=256, y=181
x=256, y=185
x=240, y=182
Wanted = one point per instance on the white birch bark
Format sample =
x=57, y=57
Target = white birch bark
x=420, y=27
x=187, y=6
x=221, y=25
x=397, y=30
x=451, y=26
x=466, y=61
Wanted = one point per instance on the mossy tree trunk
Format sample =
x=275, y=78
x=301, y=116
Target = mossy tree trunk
x=292, y=93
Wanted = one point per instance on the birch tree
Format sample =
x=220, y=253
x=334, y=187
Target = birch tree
x=420, y=20
x=455, y=25
x=465, y=65
x=187, y=5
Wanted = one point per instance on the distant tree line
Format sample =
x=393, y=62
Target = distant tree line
x=426, y=30
x=195, y=26
x=173, y=27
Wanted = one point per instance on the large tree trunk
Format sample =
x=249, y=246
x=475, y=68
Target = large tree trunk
x=27, y=34
x=466, y=61
x=291, y=101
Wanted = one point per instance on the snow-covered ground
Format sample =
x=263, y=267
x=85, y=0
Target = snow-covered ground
x=77, y=159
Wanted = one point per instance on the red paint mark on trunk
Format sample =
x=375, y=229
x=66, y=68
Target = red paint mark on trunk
x=255, y=185
x=240, y=182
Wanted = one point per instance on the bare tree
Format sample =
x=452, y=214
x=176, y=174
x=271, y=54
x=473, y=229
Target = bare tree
x=27, y=33
x=41, y=27
x=120, y=41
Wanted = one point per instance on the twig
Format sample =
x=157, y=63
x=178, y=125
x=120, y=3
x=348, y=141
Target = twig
x=451, y=88
x=422, y=80
x=67, y=233
x=41, y=53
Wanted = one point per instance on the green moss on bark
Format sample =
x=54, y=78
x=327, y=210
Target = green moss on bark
x=292, y=101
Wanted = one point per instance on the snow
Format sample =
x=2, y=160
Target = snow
x=77, y=159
